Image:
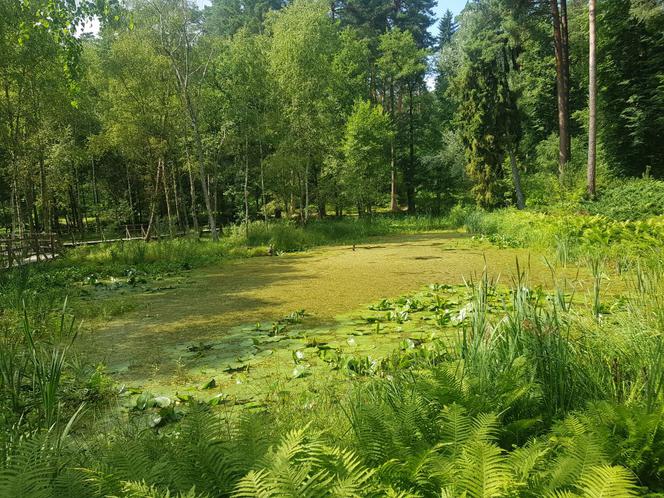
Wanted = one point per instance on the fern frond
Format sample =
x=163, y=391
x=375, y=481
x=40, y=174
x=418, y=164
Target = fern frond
x=353, y=478
x=561, y=494
x=29, y=469
x=578, y=449
x=455, y=427
x=485, y=427
x=525, y=459
x=484, y=471
x=397, y=493
x=256, y=484
x=607, y=481
x=303, y=466
x=142, y=490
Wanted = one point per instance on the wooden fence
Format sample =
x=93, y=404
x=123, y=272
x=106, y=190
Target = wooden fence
x=27, y=248
x=19, y=249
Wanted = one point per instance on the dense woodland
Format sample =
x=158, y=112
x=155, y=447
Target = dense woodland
x=251, y=109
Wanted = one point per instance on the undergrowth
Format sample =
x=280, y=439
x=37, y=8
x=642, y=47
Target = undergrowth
x=535, y=394
x=570, y=238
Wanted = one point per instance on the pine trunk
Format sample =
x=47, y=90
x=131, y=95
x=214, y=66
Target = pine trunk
x=592, y=98
x=562, y=90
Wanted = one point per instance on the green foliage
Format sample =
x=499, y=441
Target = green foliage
x=291, y=237
x=571, y=237
x=365, y=172
x=630, y=61
x=487, y=116
x=637, y=199
x=303, y=465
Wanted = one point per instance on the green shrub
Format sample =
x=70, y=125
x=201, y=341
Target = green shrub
x=634, y=199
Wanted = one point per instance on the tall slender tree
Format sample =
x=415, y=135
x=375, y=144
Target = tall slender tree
x=561, y=49
x=592, y=97
x=179, y=32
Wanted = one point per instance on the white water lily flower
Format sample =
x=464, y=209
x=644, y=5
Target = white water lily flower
x=299, y=355
x=162, y=401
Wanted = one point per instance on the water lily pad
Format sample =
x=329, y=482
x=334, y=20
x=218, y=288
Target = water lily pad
x=210, y=384
x=216, y=400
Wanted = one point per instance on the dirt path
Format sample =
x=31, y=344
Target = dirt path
x=325, y=282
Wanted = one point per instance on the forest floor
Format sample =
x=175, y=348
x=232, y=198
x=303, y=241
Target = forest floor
x=256, y=325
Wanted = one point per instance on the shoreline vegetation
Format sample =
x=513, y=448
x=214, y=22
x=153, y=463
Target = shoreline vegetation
x=544, y=390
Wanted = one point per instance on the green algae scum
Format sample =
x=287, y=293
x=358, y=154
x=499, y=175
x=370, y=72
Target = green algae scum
x=255, y=324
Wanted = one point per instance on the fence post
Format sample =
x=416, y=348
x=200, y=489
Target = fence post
x=10, y=256
x=24, y=248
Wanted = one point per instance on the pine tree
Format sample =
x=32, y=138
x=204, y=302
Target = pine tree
x=446, y=29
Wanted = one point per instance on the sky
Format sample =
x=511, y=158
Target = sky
x=456, y=6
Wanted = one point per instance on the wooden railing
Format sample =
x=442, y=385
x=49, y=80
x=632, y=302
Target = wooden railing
x=124, y=233
x=18, y=249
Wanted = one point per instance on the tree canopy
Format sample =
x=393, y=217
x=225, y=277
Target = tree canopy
x=176, y=116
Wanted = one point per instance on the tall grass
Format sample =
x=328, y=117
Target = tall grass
x=284, y=236
x=33, y=360
x=288, y=236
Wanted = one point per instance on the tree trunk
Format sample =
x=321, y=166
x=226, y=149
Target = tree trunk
x=15, y=209
x=564, y=32
x=164, y=181
x=260, y=161
x=176, y=199
x=291, y=204
x=516, y=179
x=562, y=90
x=153, y=202
x=201, y=172
x=192, y=194
x=129, y=196
x=46, y=218
x=394, y=201
x=592, y=98
x=306, y=193
x=410, y=180
x=95, y=198
x=246, y=186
